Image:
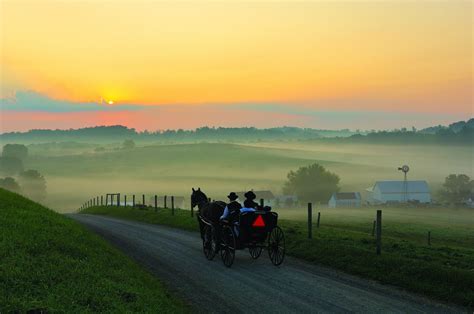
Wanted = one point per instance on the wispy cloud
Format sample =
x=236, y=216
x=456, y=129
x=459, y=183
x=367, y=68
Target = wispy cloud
x=31, y=101
x=27, y=110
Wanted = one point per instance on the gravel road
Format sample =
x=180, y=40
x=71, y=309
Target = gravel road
x=250, y=286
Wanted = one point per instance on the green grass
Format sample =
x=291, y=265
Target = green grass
x=50, y=262
x=441, y=271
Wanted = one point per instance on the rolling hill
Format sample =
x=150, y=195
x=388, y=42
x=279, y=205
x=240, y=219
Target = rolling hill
x=49, y=263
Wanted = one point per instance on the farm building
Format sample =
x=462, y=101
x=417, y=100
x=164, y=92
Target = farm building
x=286, y=201
x=399, y=192
x=345, y=199
x=268, y=197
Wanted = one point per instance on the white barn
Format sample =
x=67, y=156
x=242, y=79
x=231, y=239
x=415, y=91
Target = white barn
x=399, y=192
x=345, y=199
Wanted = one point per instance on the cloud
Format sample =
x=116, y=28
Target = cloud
x=30, y=101
x=26, y=110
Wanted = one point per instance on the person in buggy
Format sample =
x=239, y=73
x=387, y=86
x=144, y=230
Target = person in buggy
x=232, y=210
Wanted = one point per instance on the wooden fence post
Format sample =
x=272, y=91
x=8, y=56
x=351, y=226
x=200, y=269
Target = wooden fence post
x=379, y=232
x=143, y=199
x=118, y=200
x=125, y=200
x=429, y=238
x=166, y=205
x=373, y=229
x=97, y=200
x=172, y=205
x=310, y=220
x=156, y=202
x=133, y=200
x=101, y=200
x=262, y=202
x=319, y=219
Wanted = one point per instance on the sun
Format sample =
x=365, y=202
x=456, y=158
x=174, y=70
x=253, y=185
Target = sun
x=110, y=102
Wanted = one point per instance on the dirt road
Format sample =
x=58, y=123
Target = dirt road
x=250, y=286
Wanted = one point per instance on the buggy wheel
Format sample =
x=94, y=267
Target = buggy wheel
x=276, y=246
x=255, y=251
x=227, y=246
x=209, y=244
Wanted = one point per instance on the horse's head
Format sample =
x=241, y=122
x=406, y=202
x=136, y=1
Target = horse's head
x=198, y=197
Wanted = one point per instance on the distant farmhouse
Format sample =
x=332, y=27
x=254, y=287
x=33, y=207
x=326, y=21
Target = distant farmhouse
x=398, y=192
x=287, y=201
x=345, y=199
x=268, y=197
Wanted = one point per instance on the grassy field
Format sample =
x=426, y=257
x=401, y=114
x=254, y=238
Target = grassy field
x=73, y=173
x=50, y=263
x=444, y=270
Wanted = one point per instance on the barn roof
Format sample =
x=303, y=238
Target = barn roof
x=267, y=195
x=399, y=186
x=347, y=196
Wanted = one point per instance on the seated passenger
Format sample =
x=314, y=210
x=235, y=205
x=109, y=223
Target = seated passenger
x=249, y=206
x=232, y=210
x=249, y=198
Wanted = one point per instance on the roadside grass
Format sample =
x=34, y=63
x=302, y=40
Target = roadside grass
x=50, y=263
x=439, y=271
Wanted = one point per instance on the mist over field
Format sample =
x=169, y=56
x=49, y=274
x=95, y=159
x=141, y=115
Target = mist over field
x=76, y=171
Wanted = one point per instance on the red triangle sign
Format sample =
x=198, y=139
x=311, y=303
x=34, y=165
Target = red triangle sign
x=259, y=222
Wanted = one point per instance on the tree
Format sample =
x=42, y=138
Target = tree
x=10, y=166
x=33, y=184
x=457, y=188
x=128, y=144
x=15, y=151
x=10, y=184
x=312, y=183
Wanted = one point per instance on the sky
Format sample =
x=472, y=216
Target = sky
x=156, y=65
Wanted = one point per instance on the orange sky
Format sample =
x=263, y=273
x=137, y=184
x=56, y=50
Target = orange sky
x=413, y=55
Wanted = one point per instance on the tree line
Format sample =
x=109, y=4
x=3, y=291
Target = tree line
x=29, y=182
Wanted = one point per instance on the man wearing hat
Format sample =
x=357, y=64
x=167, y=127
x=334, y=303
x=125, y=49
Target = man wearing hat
x=232, y=210
x=249, y=200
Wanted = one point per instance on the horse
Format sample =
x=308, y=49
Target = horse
x=210, y=211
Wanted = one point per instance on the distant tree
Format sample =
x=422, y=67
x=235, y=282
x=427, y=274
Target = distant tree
x=312, y=183
x=15, y=151
x=457, y=188
x=33, y=184
x=10, y=184
x=128, y=144
x=10, y=166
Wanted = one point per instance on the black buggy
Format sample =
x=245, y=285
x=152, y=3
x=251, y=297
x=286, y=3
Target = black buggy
x=254, y=230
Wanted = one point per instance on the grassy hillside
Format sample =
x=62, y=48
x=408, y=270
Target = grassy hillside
x=219, y=168
x=49, y=262
x=444, y=270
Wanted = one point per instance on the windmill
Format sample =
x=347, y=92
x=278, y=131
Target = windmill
x=405, y=170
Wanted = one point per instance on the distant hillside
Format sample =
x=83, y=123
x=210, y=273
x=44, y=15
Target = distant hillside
x=49, y=263
x=455, y=127
x=458, y=132
x=119, y=133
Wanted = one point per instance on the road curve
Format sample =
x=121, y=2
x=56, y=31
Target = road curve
x=250, y=286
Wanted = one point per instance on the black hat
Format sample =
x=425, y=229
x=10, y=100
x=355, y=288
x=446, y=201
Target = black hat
x=232, y=196
x=250, y=195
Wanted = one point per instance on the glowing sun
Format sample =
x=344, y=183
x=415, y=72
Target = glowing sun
x=110, y=102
